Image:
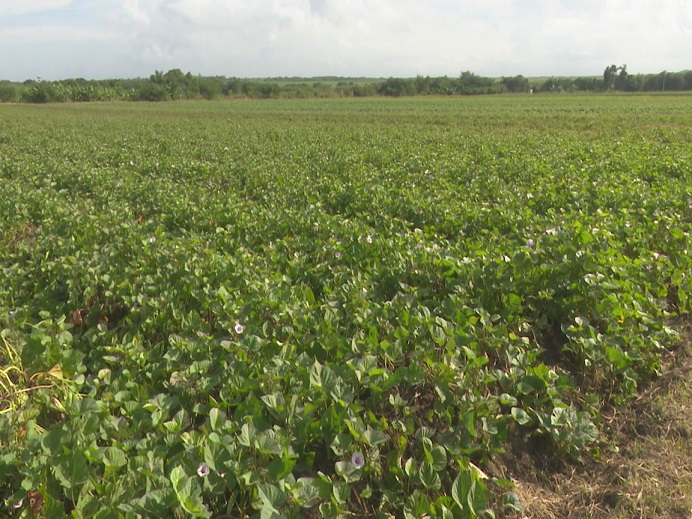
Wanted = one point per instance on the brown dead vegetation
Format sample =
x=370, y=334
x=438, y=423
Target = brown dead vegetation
x=645, y=465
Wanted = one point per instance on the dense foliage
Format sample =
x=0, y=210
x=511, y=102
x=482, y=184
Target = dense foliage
x=331, y=306
x=175, y=85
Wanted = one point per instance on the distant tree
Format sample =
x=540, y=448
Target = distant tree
x=556, y=84
x=149, y=91
x=209, y=88
x=157, y=77
x=364, y=89
x=635, y=83
x=516, y=84
x=41, y=92
x=422, y=85
x=233, y=86
x=674, y=81
x=397, y=87
x=687, y=75
x=588, y=84
x=622, y=80
x=610, y=76
x=9, y=92
x=470, y=83
x=442, y=86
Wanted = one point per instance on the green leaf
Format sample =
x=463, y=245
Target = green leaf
x=273, y=498
x=506, y=399
x=416, y=506
x=71, y=470
x=617, y=358
x=511, y=500
x=307, y=492
x=309, y=295
x=428, y=477
x=217, y=419
x=410, y=467
x=439, y=458
x=585, y=237
x=460, y=490
x=373, y=437
x=469, y=423
x=520, y=416
x=53, y=440
x=280, y=468
x=322, y=377
x=341, y=492
x=247, y=435
x=188, y=493
x=267, y=445
x=513, y=300
x=446, y=513
x=114, y=457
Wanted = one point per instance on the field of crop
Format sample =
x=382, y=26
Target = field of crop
x=328, y=308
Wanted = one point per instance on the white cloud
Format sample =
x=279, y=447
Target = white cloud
x=48, y=34
x=358, y=37
x=135, y=11
x=15, y=7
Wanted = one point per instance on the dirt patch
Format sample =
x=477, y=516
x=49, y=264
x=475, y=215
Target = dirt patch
x=644, y=469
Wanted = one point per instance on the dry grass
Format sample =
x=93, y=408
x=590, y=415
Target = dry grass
x=646, y=474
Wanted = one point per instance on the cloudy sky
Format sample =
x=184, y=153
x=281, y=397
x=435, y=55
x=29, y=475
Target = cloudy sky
x=94, y=39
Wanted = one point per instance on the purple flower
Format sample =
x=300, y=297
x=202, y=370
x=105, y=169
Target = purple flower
x=203, y=470
x=358, y=460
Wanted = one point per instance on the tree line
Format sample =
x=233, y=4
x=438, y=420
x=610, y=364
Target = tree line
x=176, y=85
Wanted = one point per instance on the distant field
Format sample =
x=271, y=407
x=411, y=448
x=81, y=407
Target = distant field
x=311, y=308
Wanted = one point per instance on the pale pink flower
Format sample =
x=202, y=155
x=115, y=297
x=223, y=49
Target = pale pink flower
x=358, y=460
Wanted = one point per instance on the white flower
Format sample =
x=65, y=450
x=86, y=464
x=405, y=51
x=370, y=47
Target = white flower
x=337, y=255
x=203, y=470
x=368, y=238
x=529, y=243
x=239, y=328
x=358, y=460
x=316, y=228
x=152, y=239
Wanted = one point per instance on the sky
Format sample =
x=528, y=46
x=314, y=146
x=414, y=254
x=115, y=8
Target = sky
x=99, y=39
